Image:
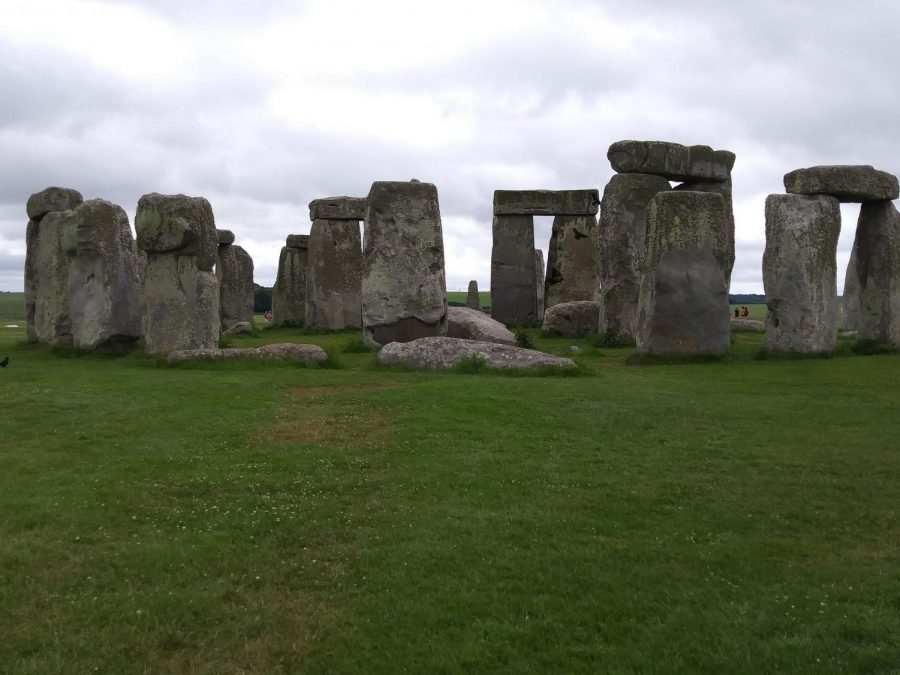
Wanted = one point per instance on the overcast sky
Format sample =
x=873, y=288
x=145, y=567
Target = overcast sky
x=263, y=105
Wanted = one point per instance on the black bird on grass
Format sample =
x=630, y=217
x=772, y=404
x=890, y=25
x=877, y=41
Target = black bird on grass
x=4, y=362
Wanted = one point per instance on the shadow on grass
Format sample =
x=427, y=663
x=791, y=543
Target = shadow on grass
x=639, y=359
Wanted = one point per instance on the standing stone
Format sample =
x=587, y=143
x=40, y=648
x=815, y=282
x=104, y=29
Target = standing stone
x=404, y=292
x=683, y=304
x=572, y=272
x=624, y=213
x=334, y=275
x=800, y=272
x=473, y=300
x=850, y=311
x=877, y=250
x=56, y=245
x=289, y=292
x=234, y=272
x=723, y=188
x=539, y=283
x=180, y=292
x=513, y=288
x=104, y=286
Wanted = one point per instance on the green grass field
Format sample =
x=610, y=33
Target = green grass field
x=732, y=517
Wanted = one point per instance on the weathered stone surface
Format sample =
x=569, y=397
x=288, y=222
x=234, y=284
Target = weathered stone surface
x=51, y=199
x=234, y=271
x=177, y=224
x=334, y=275
x=289, y=292
x=473, y=299
x=572, y=270
x=56, y=242
x=287, y=350
x=513, y=274
x=671, y=160
x=848, y=183
x=104, y=287
x=800, y=272
x=539, y=273
x=622, y=233
x=338, y=208
x=447, y=352
x=546, y=202
x=573, y=319
x=473, y=324
x=748, y=324
x=723, y=188
x=241, y=327
x=297, y=241
x=877, y=249
x=225, y=237
x=404, y=292
x=31, y=278
x=683, y=304
x=850, y=310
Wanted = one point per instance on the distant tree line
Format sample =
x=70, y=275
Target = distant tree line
x=262, y=299
x=746, y=299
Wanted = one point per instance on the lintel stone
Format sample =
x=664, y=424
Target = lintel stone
x=546, y=202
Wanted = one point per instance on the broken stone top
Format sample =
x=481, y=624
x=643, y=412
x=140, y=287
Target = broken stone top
x=671, y=160
x=546, y=202
x=225, y=237
x=177, y=224
x=338, y=208
x=849, y=183
x=297, y=241
x=52, y=199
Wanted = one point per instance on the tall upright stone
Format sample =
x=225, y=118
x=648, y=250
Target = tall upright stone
x=722, y=188
x=55, y=247
x=180, y=292
x=513, y=288
x=622, y=233
x=539, y=273
x=800, y=272
x=473, y=299
x=572, y=271
x=877, y=251
x=683, y=303
x=234, y=271
x=850, y=310
x=289, y=292
x=404, y=292
x=334, y=275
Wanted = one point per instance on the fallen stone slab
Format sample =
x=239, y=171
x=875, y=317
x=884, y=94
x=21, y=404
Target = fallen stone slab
x=573, y=319
x=338, y=208
x=671, y=160
x=849, y=183
x=441, y=353
x=240, y=327
x=546, y=202
x=473, y=324
x=748, y=324
x=285, y=350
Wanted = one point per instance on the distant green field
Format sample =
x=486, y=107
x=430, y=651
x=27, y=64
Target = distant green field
x=12, y=305
x=460, y=296
x=757, y=312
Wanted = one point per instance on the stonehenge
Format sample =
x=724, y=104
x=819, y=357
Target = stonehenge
x=404, y=294
x=289, y=292
x=573, y=319
x=671, y=160
x=877, y=256
x=473, y=324
x=334, y=266
x=846, y=183
x=234, y=271
x=473, y=299
x=539, y=282
x=572, y=271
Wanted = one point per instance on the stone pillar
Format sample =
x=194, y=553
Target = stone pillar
x=721, y=188
x=850, y=312
x=622, y=232
x=800, y=272
x=234, y=271
x=289, y=292
x=513, y=289
x=539, y=283
x=473, y=299
x=180, y=292
x=877, y=251
x=683, y=303
x=572, y=272
x=334, y=275
x=404, y=292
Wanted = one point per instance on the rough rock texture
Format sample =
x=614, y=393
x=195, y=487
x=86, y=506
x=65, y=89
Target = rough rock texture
x=241, y=327
x=877, y=250
x=539, y=273
x=671, y=160
x=683, y=304
x=800, y=272
x=55, y=245
x=334, y=275
x=180, y=297
x=404, y=291
x=850, y=311
x=573, y=319
x=546, y=202
x=723, y=188
x=338, y=208
x=473, y=299
x=104, y=287
x=287, y=350
x=572, y=270
x=473, y=324
x=289, y=292
x=234, y=271
x=622, y=232
x=513, y=288
x=225, y=237
x=447, y=352
x=748, y=324
x=52, y=199
x=848, y=183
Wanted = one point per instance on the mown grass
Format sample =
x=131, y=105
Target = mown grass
x=737, y=516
